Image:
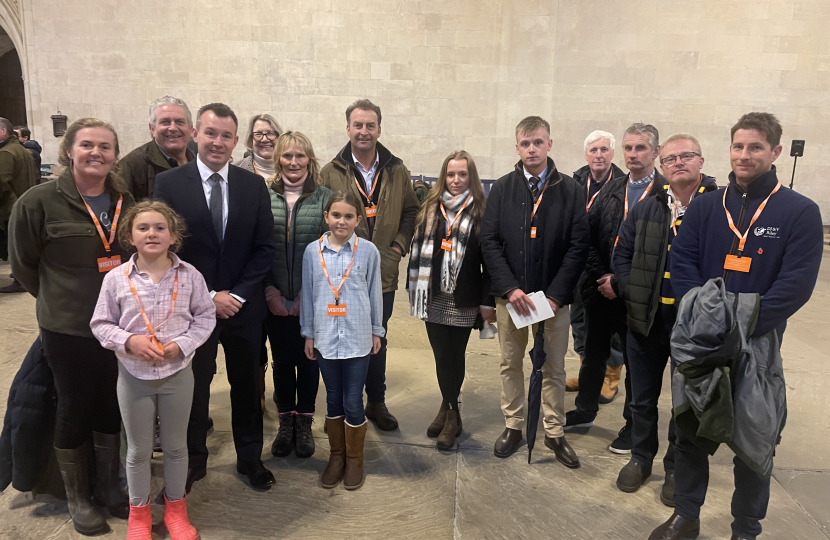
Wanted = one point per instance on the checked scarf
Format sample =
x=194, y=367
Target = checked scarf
x=420, y=259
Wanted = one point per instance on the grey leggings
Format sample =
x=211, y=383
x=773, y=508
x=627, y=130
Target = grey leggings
x=140, y=401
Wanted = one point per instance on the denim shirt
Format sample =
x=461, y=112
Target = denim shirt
x=349, y=336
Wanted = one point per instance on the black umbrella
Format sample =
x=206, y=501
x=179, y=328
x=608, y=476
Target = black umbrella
x=534, y=391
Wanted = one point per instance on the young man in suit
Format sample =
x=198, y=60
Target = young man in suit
x=230, y=241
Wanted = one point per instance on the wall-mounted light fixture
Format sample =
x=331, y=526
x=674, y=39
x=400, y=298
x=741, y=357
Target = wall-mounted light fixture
x=59, y=124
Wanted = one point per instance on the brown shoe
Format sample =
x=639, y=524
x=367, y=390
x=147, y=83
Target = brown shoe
x=451, y=431
x=508, y=443
x=355, y=437
x=572, y=383
x=438, y=424
x=564, y=453
x=13, y=287
x=337, y=455
x=611, y=386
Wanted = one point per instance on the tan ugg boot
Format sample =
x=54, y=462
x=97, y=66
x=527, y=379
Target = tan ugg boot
x=355, y=437
x=337, y=455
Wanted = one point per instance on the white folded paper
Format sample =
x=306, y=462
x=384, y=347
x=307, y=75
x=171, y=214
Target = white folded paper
x=541, y=313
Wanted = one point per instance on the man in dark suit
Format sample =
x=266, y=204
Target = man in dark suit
x=230, y=241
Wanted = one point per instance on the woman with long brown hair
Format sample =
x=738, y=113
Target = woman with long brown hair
x=449, y=287
x=62, y=245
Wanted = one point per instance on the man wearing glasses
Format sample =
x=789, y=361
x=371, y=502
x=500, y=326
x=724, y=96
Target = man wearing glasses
x=641, y=263
x=172, y=145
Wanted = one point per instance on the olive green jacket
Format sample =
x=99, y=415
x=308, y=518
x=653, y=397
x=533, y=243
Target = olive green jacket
x=17, y=174
x=397, y=206
x=54, y=248
x=307, y=225
x=140, y=167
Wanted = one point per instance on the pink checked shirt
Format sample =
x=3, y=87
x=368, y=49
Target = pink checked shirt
x=117, y=316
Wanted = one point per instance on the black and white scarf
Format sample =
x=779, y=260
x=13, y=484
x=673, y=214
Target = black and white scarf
x=420, y=259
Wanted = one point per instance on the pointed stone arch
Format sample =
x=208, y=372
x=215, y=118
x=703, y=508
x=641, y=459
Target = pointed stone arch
x=11, y=21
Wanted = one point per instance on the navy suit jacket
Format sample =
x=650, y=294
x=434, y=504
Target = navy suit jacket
x=240, y=262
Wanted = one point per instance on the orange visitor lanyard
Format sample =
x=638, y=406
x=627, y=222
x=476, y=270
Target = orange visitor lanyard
x=625, y=212
x=326, y=272
x=588, y=184
x=141, y=309
x=98, y=224
x=732, y=226
x=371, y=191
x=538, y=201
x=451, y=223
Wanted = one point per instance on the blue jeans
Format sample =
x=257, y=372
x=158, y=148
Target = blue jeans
x=344, y=380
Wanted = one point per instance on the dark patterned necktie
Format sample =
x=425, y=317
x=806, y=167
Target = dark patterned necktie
x=533, y=184
x=216, y=204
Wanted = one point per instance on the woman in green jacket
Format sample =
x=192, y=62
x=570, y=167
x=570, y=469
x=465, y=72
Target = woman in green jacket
x=62, y=244
x=297, y=202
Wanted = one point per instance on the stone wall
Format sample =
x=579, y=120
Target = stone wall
x=447, y=73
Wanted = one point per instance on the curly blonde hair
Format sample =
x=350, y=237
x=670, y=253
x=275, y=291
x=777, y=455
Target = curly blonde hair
x=175, y=223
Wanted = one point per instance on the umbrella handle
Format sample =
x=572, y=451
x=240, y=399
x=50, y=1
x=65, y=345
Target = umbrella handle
x=529, y=453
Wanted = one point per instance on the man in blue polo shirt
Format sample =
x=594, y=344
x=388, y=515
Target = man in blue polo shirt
x=760, y=237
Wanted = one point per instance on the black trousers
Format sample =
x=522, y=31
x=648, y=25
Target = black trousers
x=242, y=353
x=296, y=378
x=376, y=378
x=449, y=346
x=85, y=378
x=603, y=319
x=647, y=359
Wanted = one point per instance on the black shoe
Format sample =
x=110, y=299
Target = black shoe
x=667, y=492
x=284, y=441
x=13, y=287
x=622, y=444
x=258, y=475
x=380, y=415
x=508, y=443
x=194, y=474
x=676, y=528
x=579, y=419
x=564, y=453
x=210, y=424
x=632, y=477
x=303, y=439
x=736, y=537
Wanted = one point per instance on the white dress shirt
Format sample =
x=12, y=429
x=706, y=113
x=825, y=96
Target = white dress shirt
x=368, y=176
x=205, y=172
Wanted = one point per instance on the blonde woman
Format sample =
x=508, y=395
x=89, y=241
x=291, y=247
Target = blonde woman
x=297, y=203
x=449, y=287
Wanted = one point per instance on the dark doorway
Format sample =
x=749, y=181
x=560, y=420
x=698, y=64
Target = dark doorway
x=12, y=98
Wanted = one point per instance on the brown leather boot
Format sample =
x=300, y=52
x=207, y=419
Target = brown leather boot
x=572, y=383
x=451, y=431
x=355, y=436
x=438, y=424
x=611, y=385
x=337, y=455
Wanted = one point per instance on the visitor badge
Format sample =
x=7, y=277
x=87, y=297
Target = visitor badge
x=105, y=264
x=738, y=264
x=371, y=211
x=336, y=310
x=533, y=232
x=446, y=245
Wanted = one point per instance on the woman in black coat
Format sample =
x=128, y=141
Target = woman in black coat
x=449, y=287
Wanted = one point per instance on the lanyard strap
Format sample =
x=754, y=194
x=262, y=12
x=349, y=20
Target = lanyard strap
x=539, y=200
x=98, y=224
x=643, y=196
x=457, y=214
x=144, y=316
x=326, y=272
x=732, y=226
x=588, y=193
x=371, y=191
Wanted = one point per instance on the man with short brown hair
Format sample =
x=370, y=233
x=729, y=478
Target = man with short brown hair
x=534, y=238
x=382, y=182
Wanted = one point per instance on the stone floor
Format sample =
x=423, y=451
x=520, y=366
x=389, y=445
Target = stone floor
x=414, y=491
